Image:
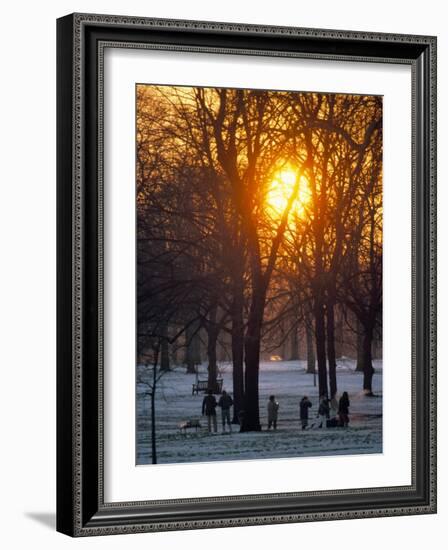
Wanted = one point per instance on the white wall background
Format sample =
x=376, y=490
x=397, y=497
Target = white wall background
x=27, y=274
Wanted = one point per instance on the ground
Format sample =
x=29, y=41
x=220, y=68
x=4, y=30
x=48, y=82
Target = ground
x=288, y=381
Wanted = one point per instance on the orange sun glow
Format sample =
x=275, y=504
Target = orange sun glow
x=280, y=189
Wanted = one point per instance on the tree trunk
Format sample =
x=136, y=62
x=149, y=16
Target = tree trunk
x=153, y=408
x=153, y=427
x=310, y=352
x=359, y=347
x=367, y=360
x=331, y=350
x=283, y=339
x=377, y=345
x=196, y=347
x=212, y=339
x=339, y=335
x=212, y=363
x=319, y=314
x=174, y=354
x=189, y=359
x=251, y=419
x=192, y=354
x=294, y=351
x=238, y=353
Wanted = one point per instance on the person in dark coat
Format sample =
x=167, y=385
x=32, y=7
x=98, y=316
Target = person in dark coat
x=323, y=413
x=273, y=407
x=305, y=404
x=225, y=402
x=344, y=404
x=209, y=409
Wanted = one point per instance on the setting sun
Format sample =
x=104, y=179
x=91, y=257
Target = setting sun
x=280, y=190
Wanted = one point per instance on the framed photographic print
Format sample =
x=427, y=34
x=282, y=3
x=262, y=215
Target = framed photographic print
x=246, y=274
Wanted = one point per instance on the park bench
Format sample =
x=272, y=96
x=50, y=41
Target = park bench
x=203, y=385
x=187, y=424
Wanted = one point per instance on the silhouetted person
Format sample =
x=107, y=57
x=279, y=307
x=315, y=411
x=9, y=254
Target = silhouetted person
x=209, y=409
x=273, y=407
x=323, y=413
x=305, y=404
x=225, y=402
x=344, y=404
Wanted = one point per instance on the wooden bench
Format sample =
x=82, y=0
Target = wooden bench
x=203, y=385
x=187, y=424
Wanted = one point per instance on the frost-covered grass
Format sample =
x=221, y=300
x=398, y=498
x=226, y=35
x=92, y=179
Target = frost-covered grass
x=288, y=381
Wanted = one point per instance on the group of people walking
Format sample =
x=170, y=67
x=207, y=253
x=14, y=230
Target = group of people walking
x=330, y=413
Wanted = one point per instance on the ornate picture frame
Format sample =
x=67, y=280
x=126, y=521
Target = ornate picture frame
x=81, y=506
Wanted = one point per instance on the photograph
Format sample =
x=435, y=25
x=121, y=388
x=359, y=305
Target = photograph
x=259, y=269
